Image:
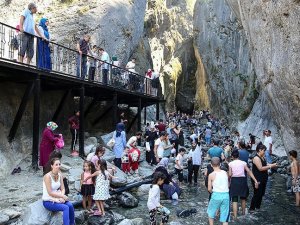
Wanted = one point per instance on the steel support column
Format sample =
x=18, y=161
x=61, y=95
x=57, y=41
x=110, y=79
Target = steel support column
x=115, y=108
x=36, y=123
x=157, y=111
x=139, y=119
x=81, y=121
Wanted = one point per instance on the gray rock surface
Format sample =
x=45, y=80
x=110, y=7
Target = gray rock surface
x=125, y=222
x=101, y=220
x=138, y=221
x=4, y=218
x=127, y=200
x=36, y=214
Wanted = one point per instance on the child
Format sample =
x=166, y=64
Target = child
x=87, y=187
x=218, y=186
x=102, y=186
x=125, y=161
x=154, y=200
x=295, y=168
x=134, y=157
x=179, y=165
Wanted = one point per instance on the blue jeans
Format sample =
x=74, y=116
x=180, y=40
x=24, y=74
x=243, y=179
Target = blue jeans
x=81, y=64
x=67, y=209
x=268, y=156
x=207, y=140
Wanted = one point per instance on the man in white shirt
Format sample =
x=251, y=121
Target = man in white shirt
x=159, y=146
x=268, y=142
x=104, y=66
x=194, y=162
x=131, y=65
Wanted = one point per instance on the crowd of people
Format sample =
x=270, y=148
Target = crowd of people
x=226, y=176
x=93, y=62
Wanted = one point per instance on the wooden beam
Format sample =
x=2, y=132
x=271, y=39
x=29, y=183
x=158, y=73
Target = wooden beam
x=131, y=123
x=145, y=115
x=139, y=114
x=81, y=121
x=22, y=107
x=60, y=105
x=36, y=123
x=157, y=110
x=88, y=109
x=115, y=108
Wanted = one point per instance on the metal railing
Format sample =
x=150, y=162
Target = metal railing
x=52, y=57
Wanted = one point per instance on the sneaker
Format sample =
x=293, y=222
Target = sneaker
x=74, y=154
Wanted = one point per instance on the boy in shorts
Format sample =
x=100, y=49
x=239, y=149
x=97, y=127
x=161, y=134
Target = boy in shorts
x=218, y=186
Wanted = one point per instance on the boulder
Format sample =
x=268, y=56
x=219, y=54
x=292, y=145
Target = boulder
x=145, y=171
x=143, y=190
x=138, y=221
x=12, y=213
x=125, y=222
x=3, y=218
x=101, y=220
x=88, y=149
x=120, y=179
x=117, y=217
x=108, y=155
x=56, y=219
x=79, y=217
x=89, y=144
x=127, y=200
x=75, y=173
x=36, y=214
x=105, y=138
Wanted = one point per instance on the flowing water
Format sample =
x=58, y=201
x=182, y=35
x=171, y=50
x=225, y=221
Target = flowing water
x=277, y=206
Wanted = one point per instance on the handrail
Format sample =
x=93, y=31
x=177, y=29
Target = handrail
x=66, y=61
x=73, y=50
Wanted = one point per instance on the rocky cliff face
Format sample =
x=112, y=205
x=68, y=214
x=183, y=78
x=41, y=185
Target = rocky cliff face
x=247, y=54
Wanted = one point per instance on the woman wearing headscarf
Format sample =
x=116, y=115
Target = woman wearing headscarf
x=47, y=144
x=120, y=143
x=44, y=58
x=169, y=187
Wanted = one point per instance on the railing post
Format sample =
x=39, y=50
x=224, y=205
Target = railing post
x=36, y=123
x=81, y=121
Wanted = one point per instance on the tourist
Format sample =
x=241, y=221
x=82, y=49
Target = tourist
x=295, y=169
x=104, y=65
x=154, y=83
x=208, y=136
x=100, y=150
x=159, y=147
x=260, y=171
x=170, y=187
x=134, y=157
x=216, y=151
x=180, y=136
x=194, y=162
x=47, y=144
x=102, y=186
x=218, y=186
x=179, y=165
x=28, y=29
x=238, y=182
x=54, y=198
x=167, y=147
x=161, y=126
x=43, y=51
x=125, y=161
x=148, y=77
x=244, y=154
x=130, y=66
x=134, y=139
x=153, y=202
x=268, y=142
x=87, y=189
x=151, y=136
x=174, y=139
x=93, y=63
x=74, y=129
x=83, y=49
x=120, y=143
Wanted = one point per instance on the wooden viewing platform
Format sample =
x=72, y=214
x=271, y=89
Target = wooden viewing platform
x=123, y=86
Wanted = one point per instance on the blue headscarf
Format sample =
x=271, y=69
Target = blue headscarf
x=119, y=128
x=44, y=26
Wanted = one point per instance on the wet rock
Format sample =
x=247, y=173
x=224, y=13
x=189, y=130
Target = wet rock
x=284, y=163
x=3, y=218
x=79, y=217
x=106, y=138
x=89, y=144
x=145, y=172
x=101, y=220
x=120, y=179
x=36, y=214
x=11, y=213
x=108, y=155
x=117, y=217
x=138, y=221
x=175, y=223
x=186, y=212
x=125, y=222
x=127, y=200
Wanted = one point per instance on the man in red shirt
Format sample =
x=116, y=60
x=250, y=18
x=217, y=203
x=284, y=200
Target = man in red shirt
x=161, y=126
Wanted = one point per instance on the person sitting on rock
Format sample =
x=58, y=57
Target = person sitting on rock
x=134, y=157
x=125, y=161
x=54, y=198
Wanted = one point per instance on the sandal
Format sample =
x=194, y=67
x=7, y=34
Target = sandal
x=97, y=213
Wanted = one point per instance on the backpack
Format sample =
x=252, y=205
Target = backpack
x=155, y=82
x=14, y=43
